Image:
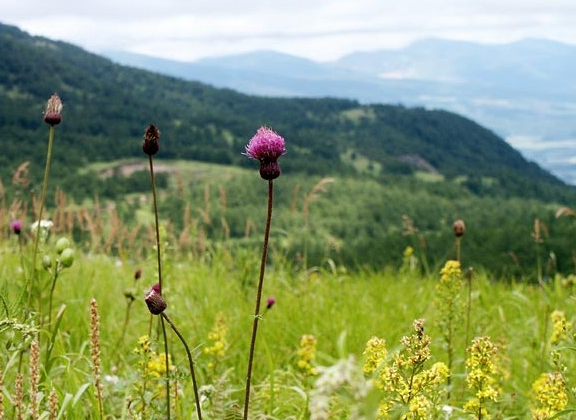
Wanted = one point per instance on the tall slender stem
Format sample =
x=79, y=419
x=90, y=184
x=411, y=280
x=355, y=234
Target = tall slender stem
x=159, y=262
x=40, y=212
x=167, y=364
x=258, y=297
x=158, y=253
x=190, y=362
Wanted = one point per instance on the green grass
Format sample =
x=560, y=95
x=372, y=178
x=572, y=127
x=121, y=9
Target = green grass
x=341, y=309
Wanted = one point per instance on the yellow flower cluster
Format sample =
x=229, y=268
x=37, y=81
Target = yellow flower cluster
x=409, y=260
x=307, y=354
x=482, y=367
x=144, y=345
x=560, y=327
x=451, y=272
x=375, y=353
x=157, y=365
x=404, y=382
x=218, y=337
x=549, y=395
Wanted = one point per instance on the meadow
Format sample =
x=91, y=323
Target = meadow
x=98, y=313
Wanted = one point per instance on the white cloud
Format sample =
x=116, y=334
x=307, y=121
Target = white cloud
x=321, y=29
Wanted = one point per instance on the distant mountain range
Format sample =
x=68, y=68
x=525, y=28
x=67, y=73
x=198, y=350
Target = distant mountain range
x=107, y=106
x=524, y=91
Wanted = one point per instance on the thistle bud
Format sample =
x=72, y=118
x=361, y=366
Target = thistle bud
x=137, y=274
x=46, y=262
x=154, y=300
x=151, y=143
x=459, y=228
x=67, y=258
x=52, y=114
x=62, y=244
x=270, y=302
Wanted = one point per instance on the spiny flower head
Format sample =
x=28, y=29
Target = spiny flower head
x=52, y=114
x=266, y=146
x=549, y=395
x=16, y=226
x=154, y=300
x=151, y=142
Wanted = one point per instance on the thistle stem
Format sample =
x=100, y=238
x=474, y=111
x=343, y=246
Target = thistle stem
x=258, y=297
x=167, y=363
x=190, y=362
x=159, y=262
x=40, y=212
x=158, y=253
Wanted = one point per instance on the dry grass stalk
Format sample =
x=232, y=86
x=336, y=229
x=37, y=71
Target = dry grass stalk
x=53, y=405
x=20, y=177
x=184, y=239
x=314, y=194
x=34, y=378
x=223, y=198
x=95, y=353
x=19, y=396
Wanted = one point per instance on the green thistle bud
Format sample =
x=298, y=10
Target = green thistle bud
x=46, y=262
x=61, y=245
x=67, y=257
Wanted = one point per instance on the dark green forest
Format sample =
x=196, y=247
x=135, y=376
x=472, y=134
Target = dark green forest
x=378, y=153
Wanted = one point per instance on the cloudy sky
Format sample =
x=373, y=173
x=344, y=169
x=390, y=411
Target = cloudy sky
x=317, y=29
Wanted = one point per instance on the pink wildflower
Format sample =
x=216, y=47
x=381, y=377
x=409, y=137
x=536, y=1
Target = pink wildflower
x=16, y=226
x=266, y=147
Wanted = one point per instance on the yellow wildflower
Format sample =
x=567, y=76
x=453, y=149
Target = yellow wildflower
x=450, y=271
x=482, y=366
x=307, y=354
x=375, y=353
x=549, y=394
x=560, y=327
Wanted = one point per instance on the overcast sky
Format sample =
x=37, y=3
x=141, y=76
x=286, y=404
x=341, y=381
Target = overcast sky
x=317, y=29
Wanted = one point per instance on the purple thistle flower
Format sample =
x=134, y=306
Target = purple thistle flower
x=266, y=147
x=154, y=300
x=270, y=302
x=16, y=226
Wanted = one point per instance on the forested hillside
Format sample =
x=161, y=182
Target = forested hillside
x=399, y=176
x=107, y=106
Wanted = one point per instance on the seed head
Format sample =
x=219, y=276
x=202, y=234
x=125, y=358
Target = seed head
x=459, y=228
x=52, y=114
x=266, y=147
x=154, y=300
x=151, y=143
x=16, y=226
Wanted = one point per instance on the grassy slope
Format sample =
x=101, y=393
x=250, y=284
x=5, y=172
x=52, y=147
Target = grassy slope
x=334, y=306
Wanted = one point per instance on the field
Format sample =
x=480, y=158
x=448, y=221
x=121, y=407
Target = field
x=342, y=310
x=192, y=301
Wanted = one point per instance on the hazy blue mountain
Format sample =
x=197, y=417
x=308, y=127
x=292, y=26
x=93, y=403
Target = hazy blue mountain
x=523, y=90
